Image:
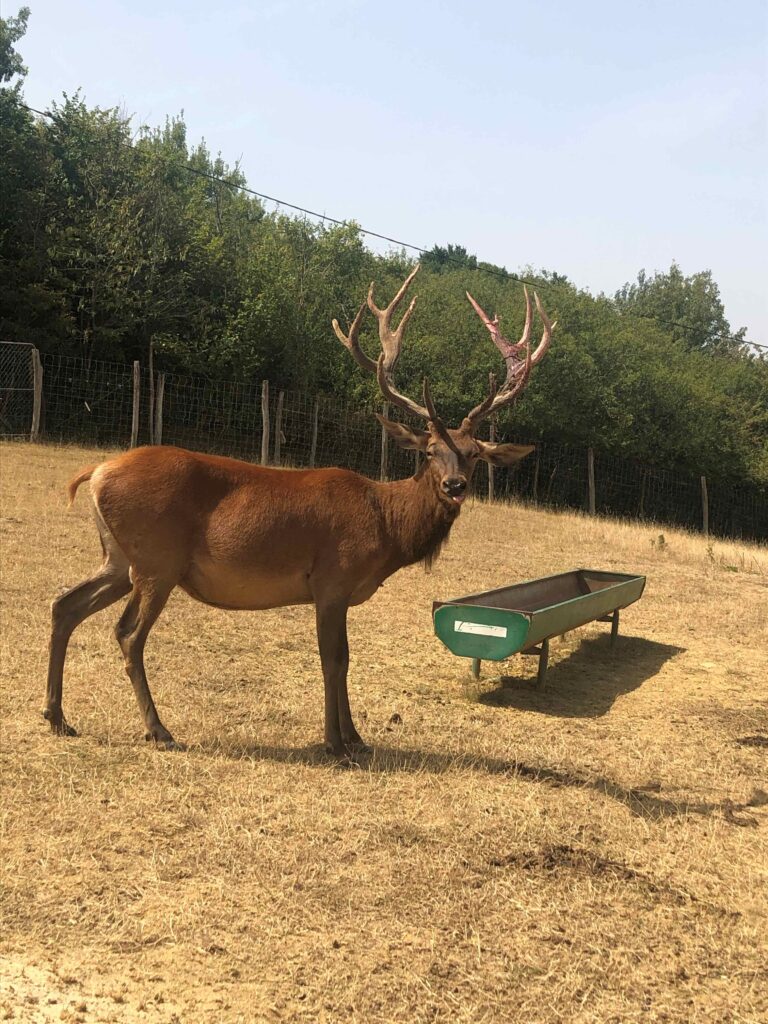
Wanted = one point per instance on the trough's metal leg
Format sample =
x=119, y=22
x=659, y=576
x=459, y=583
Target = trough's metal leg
x=614, y=627
x=613, y=618
x=543, y=660
x=476, y=663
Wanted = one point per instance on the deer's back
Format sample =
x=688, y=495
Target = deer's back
x=232, y=533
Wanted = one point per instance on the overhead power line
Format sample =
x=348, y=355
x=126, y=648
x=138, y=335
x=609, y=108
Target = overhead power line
x=447, y=258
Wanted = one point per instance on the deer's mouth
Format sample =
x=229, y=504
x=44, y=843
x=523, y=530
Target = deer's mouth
x=458, y=498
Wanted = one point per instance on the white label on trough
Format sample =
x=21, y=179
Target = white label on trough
x=480, y=628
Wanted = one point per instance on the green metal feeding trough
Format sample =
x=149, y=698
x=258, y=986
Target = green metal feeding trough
x=524, y=617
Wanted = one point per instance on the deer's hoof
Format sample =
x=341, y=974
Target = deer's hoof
x=59, y=725
x=171, y=744
x=346, y=755
x=163, y=741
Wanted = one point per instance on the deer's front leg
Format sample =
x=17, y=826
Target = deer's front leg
x=340, y=732
x=349, y=734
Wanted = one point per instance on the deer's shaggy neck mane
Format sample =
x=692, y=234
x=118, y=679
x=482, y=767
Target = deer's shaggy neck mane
x=417, y=518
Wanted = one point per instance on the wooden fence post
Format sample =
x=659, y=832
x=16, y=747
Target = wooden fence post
x=264, y=422
x=151, y=396
x=641, y=510
x=37, y=398
x=313, y=445
x=492, y=438
x=136, y=403
x=384, y=435
x=159, y=395
x=551, y=483
x=279, y=427
x=704, y=507
x=591, y=479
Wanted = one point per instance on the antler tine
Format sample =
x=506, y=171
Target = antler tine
x=351, y=341
x=390, y=344
x=525, y=337
x=434, y=415
x=394, y=396
x=546, y=337
x=480, y=411
x=518, y=371
x=516, y=379
x=392, y=340
x=504, y=346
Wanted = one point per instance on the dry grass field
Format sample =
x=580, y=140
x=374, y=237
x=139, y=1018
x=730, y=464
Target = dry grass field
x=593, y=853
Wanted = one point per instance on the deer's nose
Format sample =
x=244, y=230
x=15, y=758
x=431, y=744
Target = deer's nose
x=455, y=487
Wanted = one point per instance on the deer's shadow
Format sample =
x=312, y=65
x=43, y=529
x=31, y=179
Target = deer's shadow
x=587, y=681
x=584, y=684
x=639, y=801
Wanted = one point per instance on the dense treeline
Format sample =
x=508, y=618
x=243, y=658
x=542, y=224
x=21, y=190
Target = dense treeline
x=116, y=244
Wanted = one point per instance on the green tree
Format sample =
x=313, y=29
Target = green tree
x=11, y=31
x=444, y=259
x=90, y=224
x=30, y=308
x=689, y=308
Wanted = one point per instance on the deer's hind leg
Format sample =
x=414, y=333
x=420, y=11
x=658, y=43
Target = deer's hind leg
x=71, y=608
x=147, y=600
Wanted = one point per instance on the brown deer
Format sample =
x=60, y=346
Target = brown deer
x=238, y=536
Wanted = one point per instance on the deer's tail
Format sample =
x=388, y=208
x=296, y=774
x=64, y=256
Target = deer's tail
x=74, y=483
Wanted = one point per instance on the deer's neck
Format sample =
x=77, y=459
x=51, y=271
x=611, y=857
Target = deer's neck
x=418, y=520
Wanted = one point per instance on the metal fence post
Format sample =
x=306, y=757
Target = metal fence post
x=704, y=507
x=37, y=400
x=136, y=404
x=536, y=478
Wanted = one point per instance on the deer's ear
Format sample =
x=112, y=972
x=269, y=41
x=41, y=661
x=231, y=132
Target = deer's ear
x=406, y=437
x=503, y=454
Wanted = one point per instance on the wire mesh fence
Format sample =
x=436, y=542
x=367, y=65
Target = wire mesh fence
x=112, y=405
x=16, y=390
x=224, y=416
x=86, y=401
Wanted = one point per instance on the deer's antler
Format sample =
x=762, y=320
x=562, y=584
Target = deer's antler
x=391, y=342
x=351, y=342
x=517, y=356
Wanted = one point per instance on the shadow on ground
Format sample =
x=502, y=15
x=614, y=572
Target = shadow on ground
x=640, y=801
x=586, y=683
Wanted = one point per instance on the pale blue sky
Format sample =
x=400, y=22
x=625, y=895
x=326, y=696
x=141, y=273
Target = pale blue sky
x=591, y=138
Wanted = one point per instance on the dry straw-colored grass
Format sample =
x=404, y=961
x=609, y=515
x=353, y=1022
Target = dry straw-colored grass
x=594, y=853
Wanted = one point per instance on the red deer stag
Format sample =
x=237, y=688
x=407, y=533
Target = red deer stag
x=239, y=536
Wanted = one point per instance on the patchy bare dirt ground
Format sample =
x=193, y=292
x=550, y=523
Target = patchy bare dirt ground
x=594, y=853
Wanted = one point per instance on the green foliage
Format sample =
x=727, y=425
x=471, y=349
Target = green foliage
x=690, y=308
x=117, y=245
x=441, y=259
x=28, y=302
x=11, y=31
